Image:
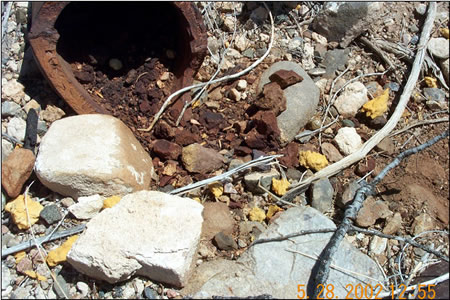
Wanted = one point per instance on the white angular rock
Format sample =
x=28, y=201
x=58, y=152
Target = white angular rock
x=348, y=140
x=439, y=47
x=147, y=233
x=12, y=90
x=241, y=85
x=16, y=128
x=445, y=69
x=92, y=154
x=351, y=100
x=87, y=207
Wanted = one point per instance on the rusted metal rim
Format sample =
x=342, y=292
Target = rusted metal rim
x=43, y=38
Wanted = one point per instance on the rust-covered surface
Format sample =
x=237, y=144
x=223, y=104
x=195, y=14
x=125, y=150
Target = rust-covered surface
x=43, y=38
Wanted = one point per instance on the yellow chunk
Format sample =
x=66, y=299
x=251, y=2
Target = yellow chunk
x=111, y=201
x=444, y=32
x=216, y=189
x=197, y=199
x=273, y=209
x=298, y=7
x=18, y=212
x=257, y=214
x=377, y=106
x=59, y=254
x=35, y=275
x=430, y=82
x=279, y=187
x=312, y=160
x=19, y=256
x=196, y=104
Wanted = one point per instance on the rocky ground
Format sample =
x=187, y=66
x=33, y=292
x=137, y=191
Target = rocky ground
x=231, y=124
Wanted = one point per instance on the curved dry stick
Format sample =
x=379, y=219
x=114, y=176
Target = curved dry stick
x=390, y=125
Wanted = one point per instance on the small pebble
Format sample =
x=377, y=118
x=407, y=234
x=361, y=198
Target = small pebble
x=150, y=293
x=115, y=64
x=83, y=288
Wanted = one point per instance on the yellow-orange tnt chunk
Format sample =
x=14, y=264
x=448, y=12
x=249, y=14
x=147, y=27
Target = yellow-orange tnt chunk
x=59, y=254
x=279, y=187
x=444, y=32
x=257, y=214
x=19, y=256
x=273, y=209
x=216, y=189
x=35, y=275
x=430, y=82
x=312, y=160
x=377, y=106
x=19, y=214
x=111, y=201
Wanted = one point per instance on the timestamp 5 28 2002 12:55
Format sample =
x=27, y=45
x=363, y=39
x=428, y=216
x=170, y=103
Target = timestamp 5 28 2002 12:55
x=366, y=291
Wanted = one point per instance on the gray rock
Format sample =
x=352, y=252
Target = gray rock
x=21, y=292
x=224, y=241
x=305, y=136
x=67, y=202
x=107, y=161
x=235, y=162
x=127, y=239
x=7, y=148
x=421, y=8
x=259, y=14
x=378, y=245
x=251, y=180
x=434, y=94
x=348, y=194
x=321, y=194
x=344, y=21
x=439, y=47
x=274, y=269
x=10, y=108
x=301, y=100
x=16, y=128
x=393, y=86
x=445, y=69
x=51, y=214
x=3, y=201
x=83, y=288
x=248, y=227
x=335, y=60
x=348, y=123
x=249, y=52
x=293, y=174
x=6, y=277
x=150, y=293
x=61, y=289
x=42, y=127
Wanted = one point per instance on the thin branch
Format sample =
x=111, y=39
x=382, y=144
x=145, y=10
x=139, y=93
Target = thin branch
x=40, y=240
x=292, y=235
x=399, y=238
x=377, y=51
x=390, y=125
x=233, y=76
x=253, y=163
x=424, y=122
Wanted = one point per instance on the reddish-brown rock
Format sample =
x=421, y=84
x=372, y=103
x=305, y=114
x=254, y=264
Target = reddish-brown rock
x=273, y=99
x=290, y=158
x=16, y=169
x=264, y=131
x=184, y=137
x=198, y=159
x=216, y=218
x=166, y=150
x=285, y=78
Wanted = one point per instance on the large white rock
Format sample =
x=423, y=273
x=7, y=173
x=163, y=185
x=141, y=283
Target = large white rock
x=147, y=233
x=92, y=154
x=348, y=140
x=351, y=100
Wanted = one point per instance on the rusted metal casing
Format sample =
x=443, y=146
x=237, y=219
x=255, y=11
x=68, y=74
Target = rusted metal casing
x=43, y=38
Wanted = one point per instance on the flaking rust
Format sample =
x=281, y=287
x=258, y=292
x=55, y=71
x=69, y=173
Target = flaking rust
x=43, y=38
